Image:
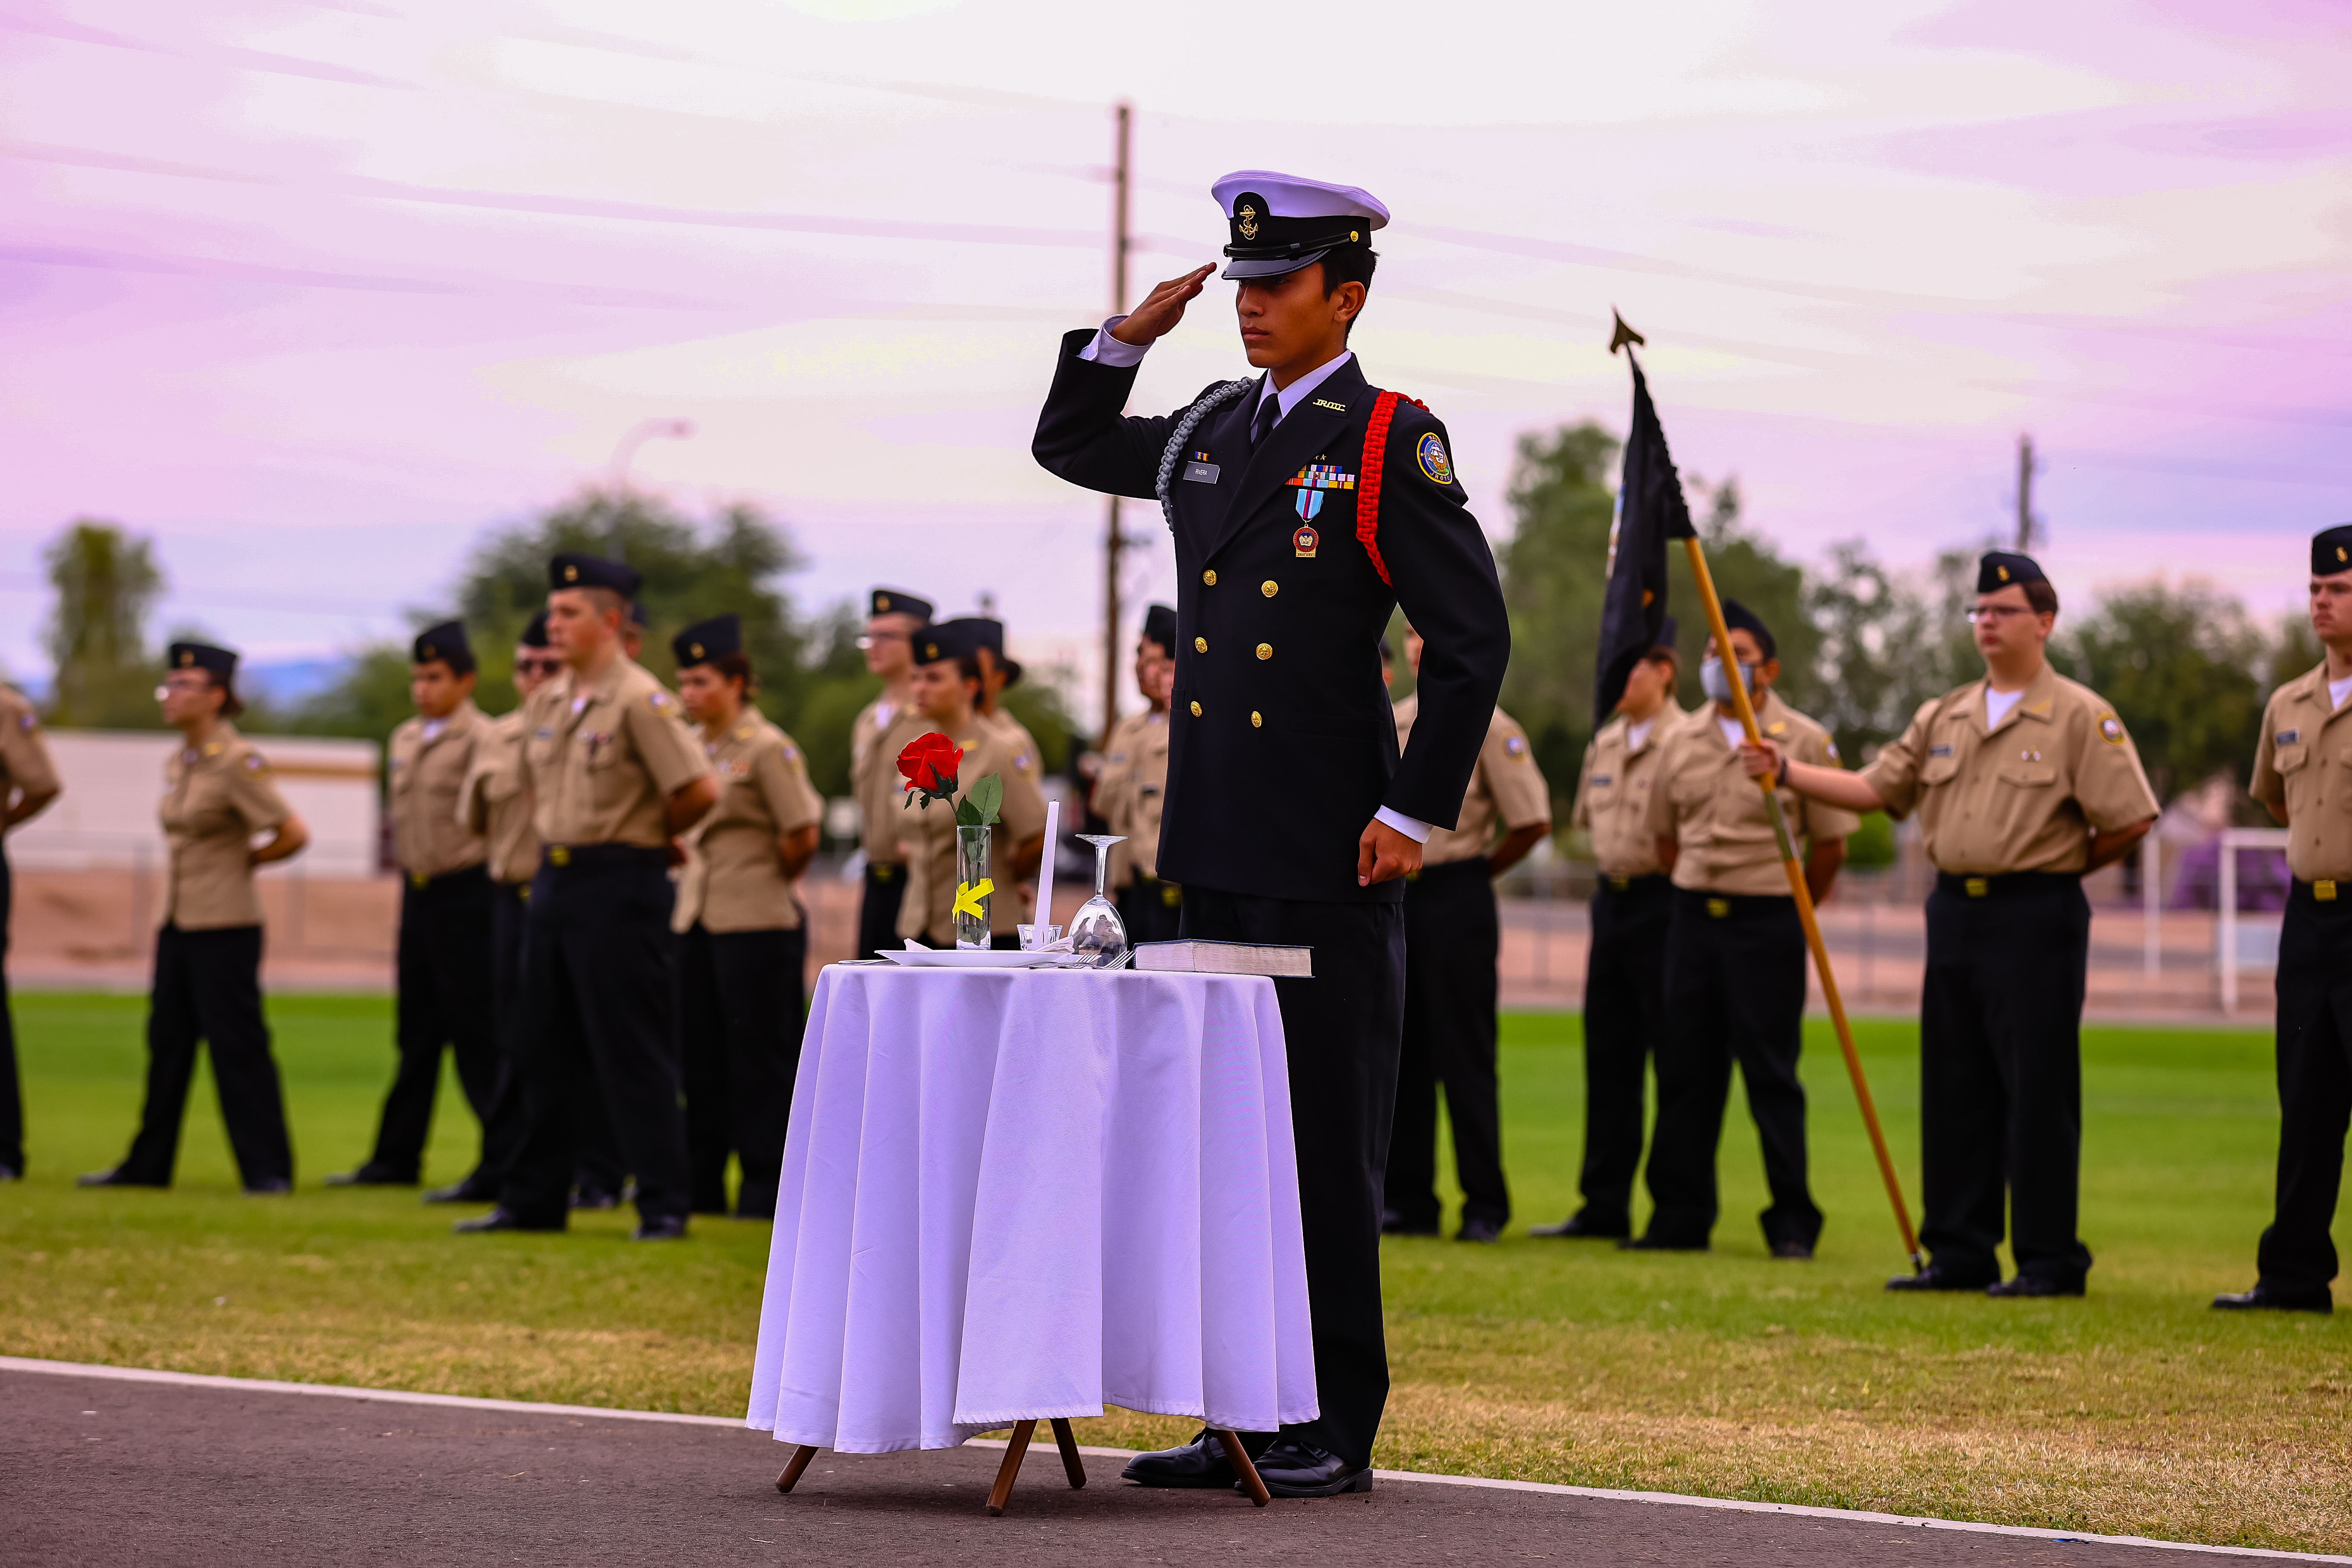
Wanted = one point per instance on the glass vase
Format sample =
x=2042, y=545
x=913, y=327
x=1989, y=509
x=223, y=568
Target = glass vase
x=973, y=891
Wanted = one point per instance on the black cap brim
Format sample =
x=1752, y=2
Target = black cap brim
x=1272, y=267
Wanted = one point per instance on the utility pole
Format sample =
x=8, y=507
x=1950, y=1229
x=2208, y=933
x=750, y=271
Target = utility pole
x=1112, y=542
x=2025, y=518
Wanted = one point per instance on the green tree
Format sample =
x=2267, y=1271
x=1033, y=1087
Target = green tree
x=1745, y=567
x=105, y=581
x=2182, y=666
x=1561, y=508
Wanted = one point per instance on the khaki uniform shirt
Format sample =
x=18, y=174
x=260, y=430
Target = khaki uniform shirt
x=733, y=878
x=2024, y=795
x=603, y=757
x=929, y=831
x=23, y=757
x=874, y=777
x=430, y=835
x=217, y=796
x=1506, y=787
x=1612, y=794
x=1704, y=800
x=1131, y=789
x=2305, y=771
x=494, y=802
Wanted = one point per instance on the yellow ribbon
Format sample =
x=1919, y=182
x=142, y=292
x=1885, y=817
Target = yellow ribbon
x=968, y=897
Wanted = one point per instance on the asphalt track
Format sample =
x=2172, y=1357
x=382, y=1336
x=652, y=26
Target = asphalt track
x=113, y=1469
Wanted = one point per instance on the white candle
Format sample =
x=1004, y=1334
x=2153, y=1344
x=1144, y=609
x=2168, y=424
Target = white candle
x=1045, y=866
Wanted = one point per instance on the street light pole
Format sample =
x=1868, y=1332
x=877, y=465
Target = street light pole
x=617, y=480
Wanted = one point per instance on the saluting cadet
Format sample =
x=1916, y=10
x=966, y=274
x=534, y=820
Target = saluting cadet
x=947, y=692
x=1130, y=790
x=495, y=805
x=2307, y=782
x=217, y=796
x=2024, y=781
x=1453, y=945
x=1294, y=501
x=884, y=727
x=444, y=995
x=744, y=939
x=1626, y=964
x=1735, y=968
x=28, y=782
x=613, y=775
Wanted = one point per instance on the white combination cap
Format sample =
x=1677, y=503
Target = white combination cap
x=1281, y=223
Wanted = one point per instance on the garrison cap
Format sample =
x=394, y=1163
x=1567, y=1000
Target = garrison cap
x=2331, y=551
x=636, y=612
x=1738, y=617
x=945, y=640
x=899, y=602
x=2000, y=568
x=220, y=663
x=1665, y=641
x=706, y=641
x=987, y=632
x=1160, y=626
x=535, y=633
x=574, y=570
x=446, y=643
x=1281, y=223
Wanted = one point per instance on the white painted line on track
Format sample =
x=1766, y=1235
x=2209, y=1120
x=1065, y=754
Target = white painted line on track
x=1606, y=1494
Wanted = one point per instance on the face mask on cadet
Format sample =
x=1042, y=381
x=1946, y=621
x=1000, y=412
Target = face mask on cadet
x=1716, y=685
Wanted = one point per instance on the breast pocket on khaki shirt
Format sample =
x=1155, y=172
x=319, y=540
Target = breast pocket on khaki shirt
x=2021, y=799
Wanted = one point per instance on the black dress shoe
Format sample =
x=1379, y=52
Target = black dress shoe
x=465, y=1191
x=10, y=1174
x=1655, y=1243
x=593, y=1198
x=1582, y=1227
x=369, y=1176
x=660, y=1227
x=1395, y=1223
x=1936, y=1277
x=1803, y=1251
x=2035, y=1285
x=1479, y=1230
x=2267, y=1297
x=1200, y=1463
x=268, y=1187
x=114, y=1178
x=1292, y=1469
x=497, y=1219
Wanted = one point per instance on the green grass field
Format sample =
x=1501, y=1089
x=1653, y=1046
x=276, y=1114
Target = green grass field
x=2136, y=1411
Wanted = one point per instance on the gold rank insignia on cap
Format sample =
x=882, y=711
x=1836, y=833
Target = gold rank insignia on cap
x=2004, y=572
x=430, y=652
x=2341, y=554
x=1246, y=221
x=695, y=648
x=931, y=650
x=186, y=659
x=881, y=603
x=571, y=575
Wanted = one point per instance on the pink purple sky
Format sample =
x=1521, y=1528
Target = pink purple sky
x=316, y=294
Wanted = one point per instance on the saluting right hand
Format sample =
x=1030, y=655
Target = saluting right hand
x=1162, y=308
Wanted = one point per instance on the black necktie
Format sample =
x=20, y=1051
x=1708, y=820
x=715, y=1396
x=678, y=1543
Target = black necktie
x=1269, y=409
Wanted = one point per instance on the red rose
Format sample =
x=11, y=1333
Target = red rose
x=929, y=763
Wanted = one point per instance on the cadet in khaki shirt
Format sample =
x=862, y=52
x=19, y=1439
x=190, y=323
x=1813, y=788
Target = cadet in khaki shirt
x=1453, y=940
x=445, y=989
x=1626, y=964
x=743, y=947
x=218, y=796
x=1132, y=787
x=2302, y=772
x=28, y=782
x=946, y=688
x=2022, y=781
x=1735, y=973
x=613, y=775
x=883, y=728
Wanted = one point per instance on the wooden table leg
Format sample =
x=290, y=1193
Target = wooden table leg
x=1002, y=1492
x=1238, y=1457
x=1067, y=1441
x=792, y=1468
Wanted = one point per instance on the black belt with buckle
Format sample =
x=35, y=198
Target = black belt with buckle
x=1962, y=884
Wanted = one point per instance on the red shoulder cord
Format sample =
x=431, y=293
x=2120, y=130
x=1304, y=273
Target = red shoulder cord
x=1367, y=484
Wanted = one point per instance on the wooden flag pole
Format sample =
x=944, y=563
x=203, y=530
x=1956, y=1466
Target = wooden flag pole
x=1803, y=895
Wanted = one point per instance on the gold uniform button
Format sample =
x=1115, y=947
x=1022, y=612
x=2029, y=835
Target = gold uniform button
x=1196, y=709
x=1266, y=650
x=1200, y=645
x=1210, y=576
x=1269, y=587
x=1258, y=720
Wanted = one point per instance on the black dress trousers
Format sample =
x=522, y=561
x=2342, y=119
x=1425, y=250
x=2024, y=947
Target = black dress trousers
x=208, y=989
x=1734, y=992
x=1624, y=1021
x=1452, y=933
x=12, y=1101
x=1341, y=1030
x=503, y=1127
x=2001, y=1073
x=1151, y=910
x=445, y=970
x=877, y=912
x=740, y=1014
x=599, y=1020
x=2315, y=1088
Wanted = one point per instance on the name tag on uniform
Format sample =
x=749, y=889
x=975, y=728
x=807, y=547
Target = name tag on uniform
x=1201, y=473
x=2286, y=737
x=1601, y=779
x=1939, y=751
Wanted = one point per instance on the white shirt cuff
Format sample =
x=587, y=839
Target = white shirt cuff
x=1412, y=828
x=1108, y=350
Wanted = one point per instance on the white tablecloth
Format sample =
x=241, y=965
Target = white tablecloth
x=1018, y=1194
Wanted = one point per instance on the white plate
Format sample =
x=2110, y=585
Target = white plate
x=967, y=958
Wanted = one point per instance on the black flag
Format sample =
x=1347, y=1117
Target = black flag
x=1650, y=511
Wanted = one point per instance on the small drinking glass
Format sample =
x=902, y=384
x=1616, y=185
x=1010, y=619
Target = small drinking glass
x=1096, y=928
x=1037, y=939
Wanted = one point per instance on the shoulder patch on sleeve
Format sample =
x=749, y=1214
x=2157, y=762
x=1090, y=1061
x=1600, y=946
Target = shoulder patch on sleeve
x=1515, y=746
x=657, y=701
x=1429, y=453
x=2112, y=729
x=27, y=723
x=253, y=764
x=1829, y=746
